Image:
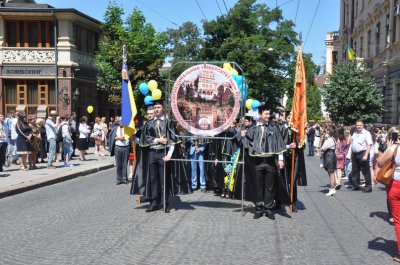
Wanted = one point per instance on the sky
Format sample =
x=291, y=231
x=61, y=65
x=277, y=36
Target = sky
x=163, y=14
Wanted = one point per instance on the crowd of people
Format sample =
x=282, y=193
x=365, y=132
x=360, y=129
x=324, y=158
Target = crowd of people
x=27, y=140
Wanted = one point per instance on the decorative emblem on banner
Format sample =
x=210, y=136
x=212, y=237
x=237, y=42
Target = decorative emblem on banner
x=205, y=100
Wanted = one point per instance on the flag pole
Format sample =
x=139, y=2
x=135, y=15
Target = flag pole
x=292, y=173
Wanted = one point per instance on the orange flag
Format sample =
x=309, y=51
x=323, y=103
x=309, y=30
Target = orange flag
x=298, y=119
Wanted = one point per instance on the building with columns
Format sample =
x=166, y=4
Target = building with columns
x=47, y=59
x=372, y=29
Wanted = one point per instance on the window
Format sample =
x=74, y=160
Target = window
x=361, y=53
x=85, y=40
x=30, y=34
x=30, y=93
x=369, y=44
x=377, y=36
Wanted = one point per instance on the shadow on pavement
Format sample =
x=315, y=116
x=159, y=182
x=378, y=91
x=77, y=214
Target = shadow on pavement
x=4, y=175
x=383, y=215
x=381, y=244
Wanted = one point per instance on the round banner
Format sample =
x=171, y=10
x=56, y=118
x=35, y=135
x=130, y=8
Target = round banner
x=205, y=100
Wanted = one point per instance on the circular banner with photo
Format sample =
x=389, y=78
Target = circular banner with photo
x=205, y=100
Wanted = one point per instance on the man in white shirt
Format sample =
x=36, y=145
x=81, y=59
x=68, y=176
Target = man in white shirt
x=120, y=147
x=51, y=138
x=361, y=143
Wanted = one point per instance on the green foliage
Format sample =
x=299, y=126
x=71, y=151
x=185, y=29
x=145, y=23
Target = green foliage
x=244, y=35
x=352, y=95
x=145, y=49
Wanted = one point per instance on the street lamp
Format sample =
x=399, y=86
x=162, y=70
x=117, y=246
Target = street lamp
x=75, y=97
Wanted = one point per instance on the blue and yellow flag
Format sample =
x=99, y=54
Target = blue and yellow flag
x=351, y=54
x=128, y=105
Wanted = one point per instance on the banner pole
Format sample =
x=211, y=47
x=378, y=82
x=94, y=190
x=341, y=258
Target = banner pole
x=292, y=173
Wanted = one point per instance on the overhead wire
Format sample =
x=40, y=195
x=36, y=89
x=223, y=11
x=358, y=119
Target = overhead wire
x=297, y=11
x=225, y=6
x=216, y=1
x=312, y=22
x=158, y=13
x=287, y=2
x=201, y=9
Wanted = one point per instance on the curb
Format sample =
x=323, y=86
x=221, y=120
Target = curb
x=23, y=187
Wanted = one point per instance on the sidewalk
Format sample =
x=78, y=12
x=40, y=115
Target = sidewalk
x=14, y=181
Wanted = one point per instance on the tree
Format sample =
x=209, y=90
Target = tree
x=352, y=95
x=185, y=44
x=246, y=35
x=313, y=92
x=145, y=48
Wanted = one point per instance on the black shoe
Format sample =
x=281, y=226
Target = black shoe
x=1, y=169
x=367, y=189
x=203, y=190
x=152, y=208
x=338, y=187
x=258, y=215
x=167, y=208
x=354, y=188
x=119, y=183
x=270, y=214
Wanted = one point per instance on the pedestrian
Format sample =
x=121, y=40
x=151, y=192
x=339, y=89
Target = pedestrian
x=67, y=140
x=51, y=126
x=43, y=141
x=24, y=147
x=83, y=138
x=310, y=139
x=97, y=135
x=266, y=148
x=196, y=152
x=360, y=147
x=393, y=189
x=120, y=148
x=35, y=142
x=329, y=158
x=104, y=126
x=3, y=141
x=74, y=126
x=161, y=135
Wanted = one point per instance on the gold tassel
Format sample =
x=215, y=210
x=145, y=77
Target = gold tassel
x=124, y=74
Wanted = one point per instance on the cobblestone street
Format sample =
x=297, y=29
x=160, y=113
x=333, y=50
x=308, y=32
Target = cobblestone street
x=90, y=220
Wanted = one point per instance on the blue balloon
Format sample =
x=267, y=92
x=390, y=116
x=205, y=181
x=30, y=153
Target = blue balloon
x=239, y=80
x=255, y=104
x=144, y=88
x=148, y=100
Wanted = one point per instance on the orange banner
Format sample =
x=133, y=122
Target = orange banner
x=298, y=118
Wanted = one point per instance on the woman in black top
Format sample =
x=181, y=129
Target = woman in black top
x=24, y=147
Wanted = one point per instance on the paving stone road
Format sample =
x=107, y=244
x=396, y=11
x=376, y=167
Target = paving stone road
x=90, y=220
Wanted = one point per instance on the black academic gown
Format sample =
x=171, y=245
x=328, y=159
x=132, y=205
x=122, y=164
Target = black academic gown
x=300, y=174
x=260, y=147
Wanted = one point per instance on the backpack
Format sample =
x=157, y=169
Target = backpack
x=59, y=134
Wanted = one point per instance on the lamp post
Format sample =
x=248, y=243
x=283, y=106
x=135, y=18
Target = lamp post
x=75, y=97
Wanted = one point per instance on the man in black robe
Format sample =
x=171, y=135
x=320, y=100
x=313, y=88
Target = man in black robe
x=300, y=176
x=161, y=137
x=266, y=148
x=141, y=171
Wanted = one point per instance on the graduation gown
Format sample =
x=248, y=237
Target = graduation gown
x=265, y=141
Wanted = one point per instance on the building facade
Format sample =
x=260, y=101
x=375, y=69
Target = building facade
x=47, y=59
x=372, y=29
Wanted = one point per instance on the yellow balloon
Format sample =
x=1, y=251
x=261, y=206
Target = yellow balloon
x=248, y=103
x=234, y=72
x=156, y=93
x=90, y=109
x=227, y=66
x=152, y=85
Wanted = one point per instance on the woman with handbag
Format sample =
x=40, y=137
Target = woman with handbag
x=24, y=147
x=329, y=157
x=82, y=144
x=385, y=162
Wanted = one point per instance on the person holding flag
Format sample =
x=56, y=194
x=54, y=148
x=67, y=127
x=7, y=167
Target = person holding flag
x=120, y=145
x=297, y=124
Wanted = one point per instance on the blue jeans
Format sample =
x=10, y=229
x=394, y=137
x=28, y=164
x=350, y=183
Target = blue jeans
x=68, y=149
x=311, y=148
x=52, y=151
x=198, y=156
x=349, y=172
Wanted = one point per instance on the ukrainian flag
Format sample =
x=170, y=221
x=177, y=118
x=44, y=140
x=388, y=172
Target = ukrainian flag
x=351, y=53
x=128, y=105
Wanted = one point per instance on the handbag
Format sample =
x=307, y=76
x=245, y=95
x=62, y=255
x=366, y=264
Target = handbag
x=385, y=175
